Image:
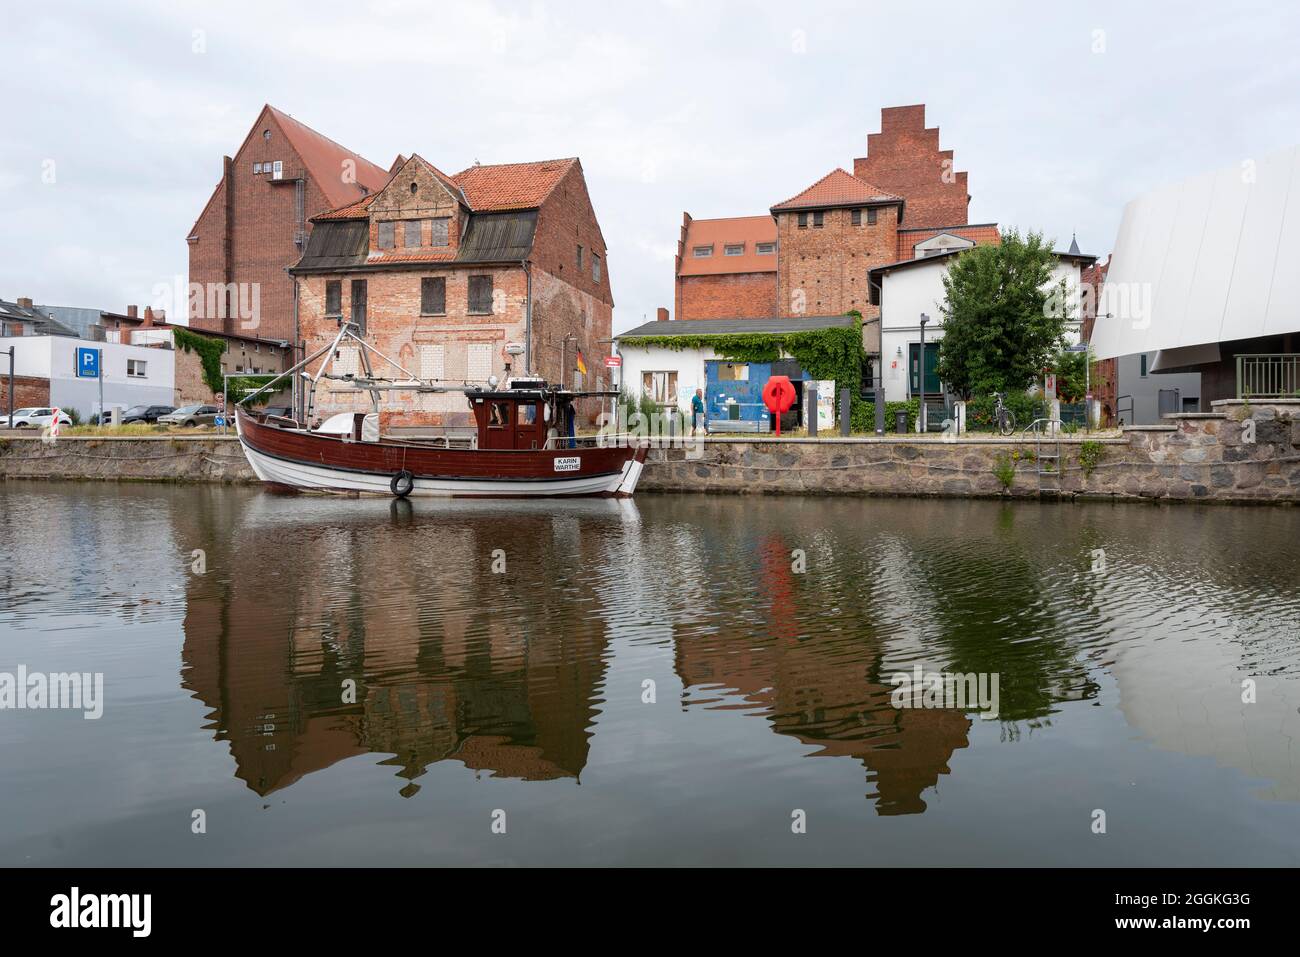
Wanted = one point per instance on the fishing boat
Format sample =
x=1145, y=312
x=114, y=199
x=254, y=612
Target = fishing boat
x=524, y=444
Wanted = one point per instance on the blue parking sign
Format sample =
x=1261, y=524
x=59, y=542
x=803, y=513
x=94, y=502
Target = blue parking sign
x=87, y=363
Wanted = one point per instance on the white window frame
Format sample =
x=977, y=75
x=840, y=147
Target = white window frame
x=143, y=366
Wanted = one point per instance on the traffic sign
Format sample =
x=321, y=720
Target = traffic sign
x=613, y=361
x=87, y=363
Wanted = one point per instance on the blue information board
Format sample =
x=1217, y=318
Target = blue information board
x=87, y=363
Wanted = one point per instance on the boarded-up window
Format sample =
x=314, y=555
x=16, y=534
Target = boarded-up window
x=438, y=231
x=660, y=387
x=411, y=232
x=595, y=268
x=871, y=216
x=433, y=362
x=478, y=361
x=386, y=236
x=579, y=258
x=359, y=305
x=334, y=297
x=433, y=296
x=480, y=295
x=347, y=361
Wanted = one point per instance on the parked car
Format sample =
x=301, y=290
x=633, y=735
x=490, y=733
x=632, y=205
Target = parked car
x=35, y=418
x=191, y=415
x=144, y=414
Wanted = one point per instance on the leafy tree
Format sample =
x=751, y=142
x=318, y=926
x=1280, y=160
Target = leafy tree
x=1003, y=318
x=1072, y=374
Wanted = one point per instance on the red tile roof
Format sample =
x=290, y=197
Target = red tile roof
x=486, y=189
x=718, y=233
x=981, y=234
x=837, y=188
x=511, y=185
x=340, y=173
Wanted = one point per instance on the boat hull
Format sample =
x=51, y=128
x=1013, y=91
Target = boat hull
x=289, y=458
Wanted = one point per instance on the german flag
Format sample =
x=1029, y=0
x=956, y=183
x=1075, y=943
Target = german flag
x=582, y=364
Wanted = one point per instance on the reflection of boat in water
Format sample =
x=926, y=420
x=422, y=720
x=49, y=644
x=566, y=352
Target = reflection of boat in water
x=524, y=445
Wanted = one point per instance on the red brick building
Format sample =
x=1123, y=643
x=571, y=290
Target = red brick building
x=903, y=199
x=443, y=273
x=726, y=268
x=258, y=219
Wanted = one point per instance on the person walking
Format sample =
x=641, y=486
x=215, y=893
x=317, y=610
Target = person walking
x=697, y=412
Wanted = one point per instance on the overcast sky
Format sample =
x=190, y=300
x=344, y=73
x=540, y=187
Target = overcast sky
x=116, y=115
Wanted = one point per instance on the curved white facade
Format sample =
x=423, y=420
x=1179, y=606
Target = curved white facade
x=1208, y=260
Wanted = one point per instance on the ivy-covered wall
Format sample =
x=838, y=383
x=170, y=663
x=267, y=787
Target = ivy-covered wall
x=823, y=353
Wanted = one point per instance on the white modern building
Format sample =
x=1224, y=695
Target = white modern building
x=908, y=289
x=133, y=375
x=1204, y=276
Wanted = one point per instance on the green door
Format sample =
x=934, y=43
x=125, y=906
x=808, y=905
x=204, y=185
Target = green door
x=914, y=369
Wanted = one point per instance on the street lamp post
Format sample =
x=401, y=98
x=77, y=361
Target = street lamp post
x=11, y=387
x=920, y=376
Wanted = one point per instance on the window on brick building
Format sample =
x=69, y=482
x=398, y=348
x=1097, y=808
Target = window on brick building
x=856, y=217
x=818, y=219
x=871, y=216
x=433, y=296
x=387, y=236
x=359, y=305
x=595, y=267
x=334, y=297
x=733, y=249
x=438, y=231
x=480, y=295
x=703, y=252
x=579, y=258
x=257, y=168
x=765, y=249
x=411, y=232
x=803, y=220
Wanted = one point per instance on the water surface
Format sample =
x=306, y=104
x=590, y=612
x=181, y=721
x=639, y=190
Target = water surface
x=652, y=682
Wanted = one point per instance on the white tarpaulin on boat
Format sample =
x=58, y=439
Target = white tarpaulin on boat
x=1207, y=260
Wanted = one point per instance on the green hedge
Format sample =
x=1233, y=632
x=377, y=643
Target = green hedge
x=862, y=417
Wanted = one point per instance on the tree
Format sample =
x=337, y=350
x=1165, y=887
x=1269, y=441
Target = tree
x=1003, y=318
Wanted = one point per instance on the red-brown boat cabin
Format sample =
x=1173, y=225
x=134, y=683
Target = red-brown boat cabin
x=525, y=415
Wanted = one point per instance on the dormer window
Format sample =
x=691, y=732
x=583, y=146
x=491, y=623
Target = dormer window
x=733, y=249
x=765, y=249
x=703, y=252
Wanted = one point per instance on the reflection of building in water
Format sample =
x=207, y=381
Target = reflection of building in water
x=821, y=690
x=806, y=690
x=414, y=616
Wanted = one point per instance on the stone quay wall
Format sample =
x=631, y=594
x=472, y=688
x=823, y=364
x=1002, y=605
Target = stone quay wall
x=1241, y=452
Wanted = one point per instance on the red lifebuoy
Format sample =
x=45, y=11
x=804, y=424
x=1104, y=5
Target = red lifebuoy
x=778, y=396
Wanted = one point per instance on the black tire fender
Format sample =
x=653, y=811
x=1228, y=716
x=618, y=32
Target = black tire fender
x=402, y=484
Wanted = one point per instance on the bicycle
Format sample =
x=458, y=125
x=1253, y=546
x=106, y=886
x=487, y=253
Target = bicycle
x=1004, y=420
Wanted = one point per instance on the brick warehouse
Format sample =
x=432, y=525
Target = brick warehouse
x=257, y=221
x=442, y=273
x=812, y=254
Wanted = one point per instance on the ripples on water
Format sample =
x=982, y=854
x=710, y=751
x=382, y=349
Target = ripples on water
x=1119, y=689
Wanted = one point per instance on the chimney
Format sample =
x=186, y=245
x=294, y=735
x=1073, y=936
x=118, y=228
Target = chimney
x=148, y=316
x=131, y=312
x=24, y=304
x=661, y=314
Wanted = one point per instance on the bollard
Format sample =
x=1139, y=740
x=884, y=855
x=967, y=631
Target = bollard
x=846, y=410
x=810, y=408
